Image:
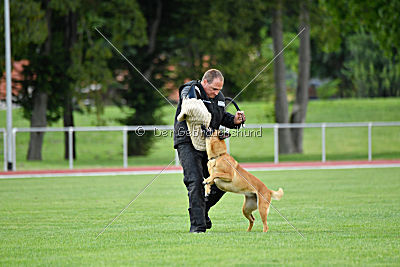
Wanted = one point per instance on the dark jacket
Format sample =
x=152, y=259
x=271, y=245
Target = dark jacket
x=215, y=106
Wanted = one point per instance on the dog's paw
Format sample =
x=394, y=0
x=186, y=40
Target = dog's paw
x=207, y=190
x=205, y=182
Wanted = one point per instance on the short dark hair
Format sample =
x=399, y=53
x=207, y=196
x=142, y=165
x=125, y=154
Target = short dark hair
x=211, y=74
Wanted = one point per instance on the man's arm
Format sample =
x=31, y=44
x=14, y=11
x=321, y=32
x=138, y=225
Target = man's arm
x=228, y=120
x=232, y=121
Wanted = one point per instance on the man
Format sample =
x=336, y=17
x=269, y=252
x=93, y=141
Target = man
x=194, y=162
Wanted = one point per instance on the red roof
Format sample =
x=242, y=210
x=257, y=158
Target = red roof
x=16, y=74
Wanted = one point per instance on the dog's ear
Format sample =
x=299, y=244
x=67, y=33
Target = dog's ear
x=223, y=135
x=206, y=131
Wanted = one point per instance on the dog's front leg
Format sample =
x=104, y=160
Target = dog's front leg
x=209, y=180
x=207, y=184
x=210, y=166
x=207, y=189
x=226, y=177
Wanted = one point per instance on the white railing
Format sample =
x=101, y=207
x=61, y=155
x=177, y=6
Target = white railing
x=141, y=129
x=124, y=129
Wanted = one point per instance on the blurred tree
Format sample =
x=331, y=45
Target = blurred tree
x=183, y=43
x=372, y=73
x=291, y=140
x=379, y=18
x=299, y=109
x=141, y=97
x=281, y=104
x=38, y=98
x=336, y=21
x=223, y=35
x=290, y=55
x=28, y=27
x=67, y=58
x=94, y=63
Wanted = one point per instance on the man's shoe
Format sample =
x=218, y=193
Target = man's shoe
x=208, y=223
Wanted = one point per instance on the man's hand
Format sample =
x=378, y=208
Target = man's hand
x=239, y=117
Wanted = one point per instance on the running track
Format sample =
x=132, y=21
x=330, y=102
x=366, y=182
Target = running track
x=175, y=169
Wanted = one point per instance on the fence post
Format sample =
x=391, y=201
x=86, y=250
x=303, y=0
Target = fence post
x=276, y=143
x=125, y=146
x=14, y=148
x=323, y=128
x=5, y=150
x=71, y=148
x=370, y=141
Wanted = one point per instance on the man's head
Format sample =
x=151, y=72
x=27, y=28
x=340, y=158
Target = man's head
x=212, y=82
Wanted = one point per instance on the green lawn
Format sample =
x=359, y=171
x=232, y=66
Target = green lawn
x=348, y=217
x=105, y=149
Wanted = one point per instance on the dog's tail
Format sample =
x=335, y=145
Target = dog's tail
x=277, y=195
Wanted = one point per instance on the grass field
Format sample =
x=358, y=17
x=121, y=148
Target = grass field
x=348, y=217
x=342, y=143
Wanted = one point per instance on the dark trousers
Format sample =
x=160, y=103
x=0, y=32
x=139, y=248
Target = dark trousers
x=194, y=165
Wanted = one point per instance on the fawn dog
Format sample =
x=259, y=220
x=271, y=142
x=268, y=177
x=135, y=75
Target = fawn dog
x=229, y=176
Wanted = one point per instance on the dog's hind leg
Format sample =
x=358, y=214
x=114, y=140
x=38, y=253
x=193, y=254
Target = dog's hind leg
x=249, y=205
x=264, y=202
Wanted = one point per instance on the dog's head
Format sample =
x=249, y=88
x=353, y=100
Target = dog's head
x=215, y=141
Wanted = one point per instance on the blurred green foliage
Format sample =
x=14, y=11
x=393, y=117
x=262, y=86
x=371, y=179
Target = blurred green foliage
x=328, y=89
x=371, y=71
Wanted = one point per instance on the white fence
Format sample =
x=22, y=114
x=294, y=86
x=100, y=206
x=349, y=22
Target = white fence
x=140, y=129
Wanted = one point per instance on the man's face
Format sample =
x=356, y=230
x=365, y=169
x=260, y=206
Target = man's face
x=212, y=89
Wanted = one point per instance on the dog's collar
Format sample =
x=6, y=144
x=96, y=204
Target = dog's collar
x=216, y=156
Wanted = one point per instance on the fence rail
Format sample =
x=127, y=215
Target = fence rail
x=141, y=129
